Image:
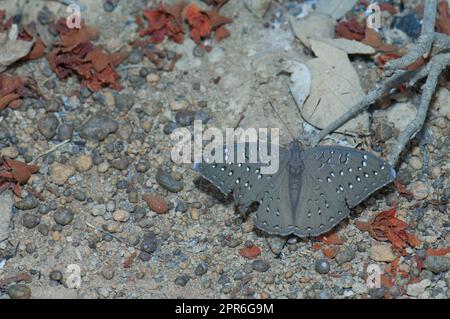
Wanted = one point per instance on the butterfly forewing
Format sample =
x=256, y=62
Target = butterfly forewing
x=338, y=178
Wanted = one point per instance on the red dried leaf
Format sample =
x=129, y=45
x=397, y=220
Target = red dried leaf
x=329, y=252
x=250, y=252
x=386, y=227
x=387, y=280
x=164, y=21
x=75, y=54
x=331, y=238
x=14, y=173
x=37, y=51
x=362, y=226
x=401, y=188
x=316, y=246
x=216, y=19
x=13, y=88
x=388, y=7
x=373, y=39
x=443, y=19
x=350, y=29
x=438, y=251
x=199, y=22
x=222, y=33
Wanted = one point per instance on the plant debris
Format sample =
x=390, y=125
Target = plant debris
x=76, y=54
x=165, y=21
x=14, y=88
x=14, y=173
x=443, y=19
x=250, y=252
x=351, y=30
x=386, y=227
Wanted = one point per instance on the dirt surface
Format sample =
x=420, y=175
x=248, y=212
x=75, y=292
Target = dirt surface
x=124, y=249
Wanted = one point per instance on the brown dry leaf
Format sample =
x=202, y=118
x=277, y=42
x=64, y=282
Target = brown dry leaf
x=331, y=238
x=386, y=227
x=13, y=88
x=438, y=251
x=14, y=173
x=351, y=30
x=250, y=252
x=373, y=39
x=443, y=19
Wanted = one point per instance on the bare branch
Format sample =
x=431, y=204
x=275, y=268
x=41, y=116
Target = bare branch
x=437, y=63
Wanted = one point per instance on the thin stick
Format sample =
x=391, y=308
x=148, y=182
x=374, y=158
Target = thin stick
x=438, y=63
x=50, y=150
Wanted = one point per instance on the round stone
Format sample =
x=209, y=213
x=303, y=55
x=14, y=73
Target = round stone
x=30, y=220
x=64, y=216
x=322, y=266
x=260, y=265
x=19, y=291
x=121, y=215
x=419, y=190
x=56, y=275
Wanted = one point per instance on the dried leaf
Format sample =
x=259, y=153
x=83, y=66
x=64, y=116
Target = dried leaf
x=13, y=88
x=37, y=51
x=438, y=251
x=329, y=252
x=386, y=227
x=331, y=239
x=12, y=50
x=14, y=173
x=373, y=39
x=199, y=22
x=250, y=252
x=164, y=21
x=75, y=54
x=221, y=33
x=351, y=30
x=443, y=19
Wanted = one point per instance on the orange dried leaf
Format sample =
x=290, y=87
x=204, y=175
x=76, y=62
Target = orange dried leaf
x=373, y=39
x=438, y=251
x=443, y=19
x=222, y=33
x=331, y=239
x=250, y=252
x=329, y=252
x=351, y=30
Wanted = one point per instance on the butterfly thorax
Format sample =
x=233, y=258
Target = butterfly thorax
x=295, y=166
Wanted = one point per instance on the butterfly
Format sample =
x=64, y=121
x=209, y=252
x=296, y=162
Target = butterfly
x=312, y=191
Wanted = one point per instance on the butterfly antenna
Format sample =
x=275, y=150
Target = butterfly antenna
x=283, y=122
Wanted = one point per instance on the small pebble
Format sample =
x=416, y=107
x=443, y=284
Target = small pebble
x=121, y=215
x=156, y=203
x=322, y=266
x=56, y=275
x=260, y=265
x=201, y=269
x=64, y=216
x=168, y=182
x=182, y=280
x=419, y=190
x=31, y=220
x=19, y=291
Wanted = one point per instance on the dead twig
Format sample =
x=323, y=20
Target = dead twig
x=430, y=43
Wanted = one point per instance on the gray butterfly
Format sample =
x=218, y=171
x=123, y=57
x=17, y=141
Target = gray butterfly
x=312, y=191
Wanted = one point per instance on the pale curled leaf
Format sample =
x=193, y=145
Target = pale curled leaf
x=12, y=50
